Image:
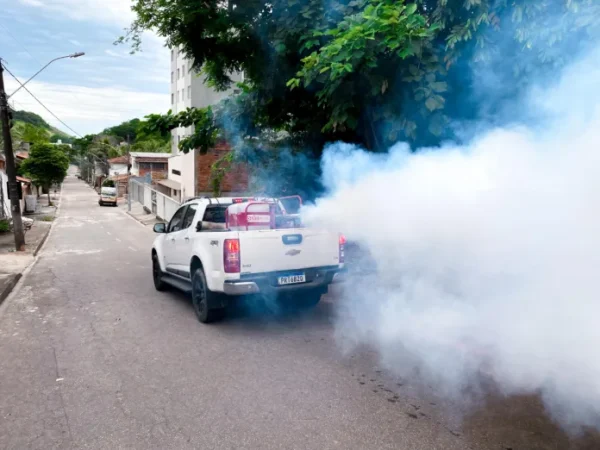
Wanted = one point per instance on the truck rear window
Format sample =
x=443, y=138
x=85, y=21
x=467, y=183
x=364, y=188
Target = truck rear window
x=215, y=213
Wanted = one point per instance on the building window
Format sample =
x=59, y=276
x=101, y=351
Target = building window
x=172, y=98
x=172, y=77
x=183, y=70
x=176, y=172
x=182, y=94
x=178, y=74
x=178, y=139
x=172, y=54
x=152, y=166
x=189, y=92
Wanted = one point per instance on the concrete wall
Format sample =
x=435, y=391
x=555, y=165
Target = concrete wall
x=188, y=175
x=175, y=163
x=5, y=211
x=5, y=205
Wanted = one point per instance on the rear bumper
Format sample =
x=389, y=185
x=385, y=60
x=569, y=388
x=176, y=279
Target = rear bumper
x=319, y=278
x=240, y=288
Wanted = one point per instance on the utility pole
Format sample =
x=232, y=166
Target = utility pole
x=13, y=187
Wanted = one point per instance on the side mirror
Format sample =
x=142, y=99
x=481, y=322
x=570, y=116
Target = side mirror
x=199, y=226
x=160, y=228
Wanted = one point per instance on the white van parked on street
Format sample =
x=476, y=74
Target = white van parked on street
x=108, y=196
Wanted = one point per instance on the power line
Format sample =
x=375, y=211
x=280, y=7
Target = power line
x=21, y=45
x=37, y=100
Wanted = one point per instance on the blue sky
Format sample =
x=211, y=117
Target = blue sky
x=103, y=88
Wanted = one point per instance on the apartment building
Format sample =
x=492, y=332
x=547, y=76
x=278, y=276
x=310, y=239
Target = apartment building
x=187, y=90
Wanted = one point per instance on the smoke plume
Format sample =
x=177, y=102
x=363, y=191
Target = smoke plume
x=487, y=255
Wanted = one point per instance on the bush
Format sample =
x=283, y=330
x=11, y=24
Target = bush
x=4, y=226
x=108, y=183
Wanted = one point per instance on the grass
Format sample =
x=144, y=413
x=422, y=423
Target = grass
x=47, y=219
x=4, y=226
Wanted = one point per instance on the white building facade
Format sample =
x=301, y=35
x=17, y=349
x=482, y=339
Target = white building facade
x=188, y=90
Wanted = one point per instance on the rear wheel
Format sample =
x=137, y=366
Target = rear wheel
x=159, y=284
x=204, y=299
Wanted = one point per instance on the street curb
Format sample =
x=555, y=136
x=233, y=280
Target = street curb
x=8, y=289
x=131, y=216
x=41, y=243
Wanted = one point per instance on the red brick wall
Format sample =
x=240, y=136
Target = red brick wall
x=236, y=179
x=156, y=174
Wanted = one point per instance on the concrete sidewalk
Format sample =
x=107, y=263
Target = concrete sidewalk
x=139, y=213
x=12, y=263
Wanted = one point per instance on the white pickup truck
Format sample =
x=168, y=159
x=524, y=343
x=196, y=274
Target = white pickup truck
x=197, y=253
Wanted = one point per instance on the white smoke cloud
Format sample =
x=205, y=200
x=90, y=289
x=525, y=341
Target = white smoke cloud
x=488, y=255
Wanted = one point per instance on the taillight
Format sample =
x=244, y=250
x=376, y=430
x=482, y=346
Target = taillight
x=342, y=248
x=231, y=255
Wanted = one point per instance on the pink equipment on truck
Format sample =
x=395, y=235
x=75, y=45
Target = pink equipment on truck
x=250, y=216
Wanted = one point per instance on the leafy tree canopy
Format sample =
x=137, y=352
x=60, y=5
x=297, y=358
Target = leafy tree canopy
x=34, y=135
x=125, y=131
x=47, y=165
x=365, y=71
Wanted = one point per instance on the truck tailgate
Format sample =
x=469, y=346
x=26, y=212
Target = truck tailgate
x=281, y=250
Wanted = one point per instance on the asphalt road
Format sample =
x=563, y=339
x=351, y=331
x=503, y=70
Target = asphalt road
x=91, y=356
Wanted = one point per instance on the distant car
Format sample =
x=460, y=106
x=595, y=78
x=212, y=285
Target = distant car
x=108, y=196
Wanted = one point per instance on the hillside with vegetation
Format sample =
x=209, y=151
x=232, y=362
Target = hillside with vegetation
x=129, y=136
x=21, y=118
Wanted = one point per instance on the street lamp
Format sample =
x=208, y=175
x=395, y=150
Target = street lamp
x=13, y=185
x=73, y=55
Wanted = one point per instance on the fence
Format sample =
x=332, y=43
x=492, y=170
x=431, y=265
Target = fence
x=153, y=201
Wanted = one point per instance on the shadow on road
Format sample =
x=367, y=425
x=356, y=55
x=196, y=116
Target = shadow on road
x=254, y=312
x=522, y=423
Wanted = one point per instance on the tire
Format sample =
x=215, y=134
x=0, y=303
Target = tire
x=159, y=284
x=204, y=299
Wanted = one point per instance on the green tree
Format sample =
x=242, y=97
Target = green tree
x=367, y=71
x=47, y=165
x=34, y=135
x=124, y=131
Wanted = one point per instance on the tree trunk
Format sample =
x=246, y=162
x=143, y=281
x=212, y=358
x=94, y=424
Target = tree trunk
x=49, y=199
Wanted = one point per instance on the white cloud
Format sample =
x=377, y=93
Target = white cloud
x=88, y=110
x=113, y=53
x=110, y=11
x=119, y=86
x=32, y=2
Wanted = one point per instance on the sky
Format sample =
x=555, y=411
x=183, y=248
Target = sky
x=105, y=87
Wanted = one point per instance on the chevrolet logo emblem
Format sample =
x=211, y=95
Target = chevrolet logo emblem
x=292, y=252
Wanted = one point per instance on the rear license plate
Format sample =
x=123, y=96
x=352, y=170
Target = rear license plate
x=291, y=279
